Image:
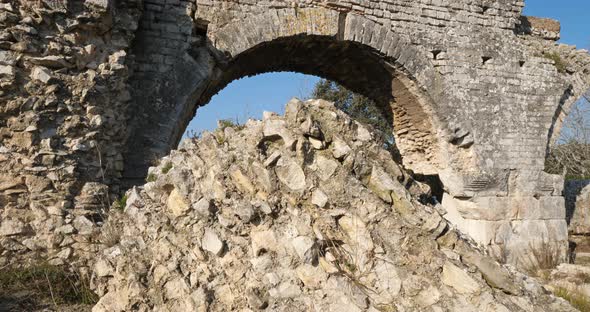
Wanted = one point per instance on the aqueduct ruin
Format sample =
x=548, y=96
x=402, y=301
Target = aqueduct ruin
x=476, y=93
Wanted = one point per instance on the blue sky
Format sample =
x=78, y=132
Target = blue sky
x=249, y=97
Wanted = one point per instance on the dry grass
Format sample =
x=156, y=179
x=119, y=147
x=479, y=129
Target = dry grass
x=575, y=297
x=541, y=258
x=42, y=285
x=110, y=234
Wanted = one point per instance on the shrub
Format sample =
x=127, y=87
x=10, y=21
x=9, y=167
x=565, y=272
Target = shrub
x=559, y=63
x=121, y=203
x=151, y=177
x=167, y=167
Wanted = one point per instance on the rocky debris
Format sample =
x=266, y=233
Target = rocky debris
x=265, y=221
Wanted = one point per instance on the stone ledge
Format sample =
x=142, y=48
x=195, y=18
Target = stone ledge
x=546, y=28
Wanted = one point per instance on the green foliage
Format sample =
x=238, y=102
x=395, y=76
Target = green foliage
x=121, y=203
x=358, y=107
x=42, y=283
x=228, y=123
x=167, y=168
x=151, y=177
x=575, y=297
x=559, y=63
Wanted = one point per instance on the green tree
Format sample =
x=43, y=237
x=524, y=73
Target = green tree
x=358, y=107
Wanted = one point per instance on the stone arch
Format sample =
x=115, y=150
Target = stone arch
x=364, y=56
x=577, y=86
x=566, y=104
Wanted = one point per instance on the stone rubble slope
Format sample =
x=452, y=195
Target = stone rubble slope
x=297, y=213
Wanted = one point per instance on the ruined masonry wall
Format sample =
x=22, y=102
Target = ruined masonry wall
x=96, y=91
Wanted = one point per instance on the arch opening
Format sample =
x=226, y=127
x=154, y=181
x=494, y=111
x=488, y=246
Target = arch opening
x=568, y=149
x=358, y=67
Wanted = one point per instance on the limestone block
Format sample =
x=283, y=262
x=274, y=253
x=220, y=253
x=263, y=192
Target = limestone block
x=339, y=148
x=212, y=243
x=388, y=283
x=285, y=290
x=41, y=74
x=304, y=248
x=276, y=128
x=6, y=70
x=12, y=227
x=204, y=207
x=7, y=58
x=264, y=241
x=381, y=184
x=290, y=174
x=311, y=276
x=319, y=198
x=242, y=182
x=325, y=167
x=177, y=204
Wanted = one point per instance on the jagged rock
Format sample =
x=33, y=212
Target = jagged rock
x=311, y=276
x=459, y=279
x=493, y=273
x=51, y=61
x=11, y=227
x=7, y=70
x=319, y=198
x=304, y=248
x=211, y=242
x=381, y=183
x=276, y=128
x=325, y=167
x=264, y=241
x=290, y=174
x=41, y=74
x=340, y=149
x=176, y=203
x=204, y=207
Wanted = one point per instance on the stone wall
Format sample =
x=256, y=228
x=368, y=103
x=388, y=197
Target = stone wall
x=64, y=94
x=97, y=90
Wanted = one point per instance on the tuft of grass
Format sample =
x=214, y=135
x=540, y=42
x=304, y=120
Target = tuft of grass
x=151, y=177
x=542, y=258
x=121, y=203
x=167, y=168
x=110, y=235
x=559, y=63
x=228, y=123
x=575, y=297
x=42, y=284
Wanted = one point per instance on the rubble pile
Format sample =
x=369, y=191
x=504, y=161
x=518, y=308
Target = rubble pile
x=297, y=213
